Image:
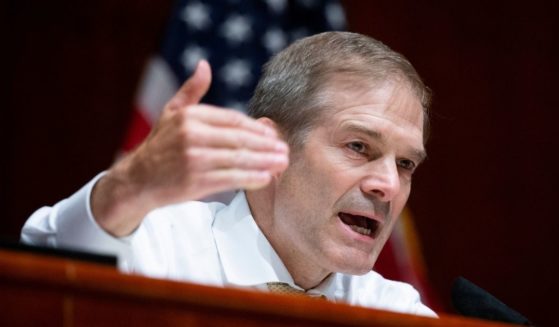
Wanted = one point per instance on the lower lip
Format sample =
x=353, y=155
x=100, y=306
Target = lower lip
x=369, y=239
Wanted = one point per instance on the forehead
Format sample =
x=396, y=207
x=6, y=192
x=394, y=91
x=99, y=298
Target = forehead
x=391, y=102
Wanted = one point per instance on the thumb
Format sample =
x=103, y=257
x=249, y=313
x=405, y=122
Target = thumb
x=192, y=91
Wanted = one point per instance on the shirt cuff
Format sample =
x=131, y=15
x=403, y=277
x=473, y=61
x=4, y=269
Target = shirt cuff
x=77, y=229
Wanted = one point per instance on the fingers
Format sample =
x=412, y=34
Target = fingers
x=196, y=150
x=203, y=159
x=232, y=138
x=228, y=118
x=192, y=91
x=212, y=127
x=228, y=150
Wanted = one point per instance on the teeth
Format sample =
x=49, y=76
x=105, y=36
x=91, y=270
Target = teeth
x=360, y=230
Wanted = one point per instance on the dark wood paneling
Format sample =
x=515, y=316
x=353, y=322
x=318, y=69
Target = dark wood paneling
x=72, y=70
x=485, y=200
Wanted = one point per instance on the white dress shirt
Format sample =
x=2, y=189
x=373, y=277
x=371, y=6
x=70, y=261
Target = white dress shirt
x=207, y=243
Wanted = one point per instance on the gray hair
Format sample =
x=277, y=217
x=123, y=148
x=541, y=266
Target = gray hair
x=289, y=91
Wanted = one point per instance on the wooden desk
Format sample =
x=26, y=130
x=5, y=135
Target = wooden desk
x=45, y=291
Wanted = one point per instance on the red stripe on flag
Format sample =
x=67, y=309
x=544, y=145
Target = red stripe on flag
x=137, y=131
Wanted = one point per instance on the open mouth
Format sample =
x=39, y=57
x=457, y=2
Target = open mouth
x=360, y=224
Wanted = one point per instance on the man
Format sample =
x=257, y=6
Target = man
x=351, y=115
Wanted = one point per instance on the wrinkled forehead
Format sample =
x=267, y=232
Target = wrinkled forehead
x=392, y=94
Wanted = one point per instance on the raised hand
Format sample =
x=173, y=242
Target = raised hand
x=193, y=151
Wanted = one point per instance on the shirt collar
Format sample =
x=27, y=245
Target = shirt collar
x=247, y=258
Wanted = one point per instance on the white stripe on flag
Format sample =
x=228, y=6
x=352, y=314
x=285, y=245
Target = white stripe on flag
x=157, y=87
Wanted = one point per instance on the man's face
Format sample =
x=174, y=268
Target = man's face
x=336, y=204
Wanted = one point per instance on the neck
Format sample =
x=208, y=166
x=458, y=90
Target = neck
x=302, y=269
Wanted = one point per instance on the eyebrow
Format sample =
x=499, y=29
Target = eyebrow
x=420, y=154
x=367, y=131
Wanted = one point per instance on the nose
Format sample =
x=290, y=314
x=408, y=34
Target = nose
x=382, y=180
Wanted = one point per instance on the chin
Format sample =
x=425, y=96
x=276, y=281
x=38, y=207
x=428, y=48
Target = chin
x=347, y=259
x=356, y=271
x=355, y=266
x=360, y=272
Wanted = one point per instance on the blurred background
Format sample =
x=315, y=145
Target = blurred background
x=484, y=203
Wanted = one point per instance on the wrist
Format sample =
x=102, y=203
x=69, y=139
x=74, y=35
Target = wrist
x=117, y=200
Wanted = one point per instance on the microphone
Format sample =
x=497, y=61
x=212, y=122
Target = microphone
x=472, y=301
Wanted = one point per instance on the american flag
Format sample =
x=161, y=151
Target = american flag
x=237, y=37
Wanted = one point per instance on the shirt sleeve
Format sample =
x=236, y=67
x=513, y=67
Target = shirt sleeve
x=373, y=290
x=70, y=224
x=411, y=301
x=423, y=310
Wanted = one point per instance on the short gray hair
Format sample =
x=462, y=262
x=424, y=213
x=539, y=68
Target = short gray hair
x=289, y=91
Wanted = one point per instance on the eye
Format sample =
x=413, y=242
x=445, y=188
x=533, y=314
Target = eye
x=407, y=164
x=358, y=147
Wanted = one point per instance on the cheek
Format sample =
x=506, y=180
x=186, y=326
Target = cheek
x=332, y=171
x=304, y=193
x=401, y=199
x=297, y=192
x=316, y=180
